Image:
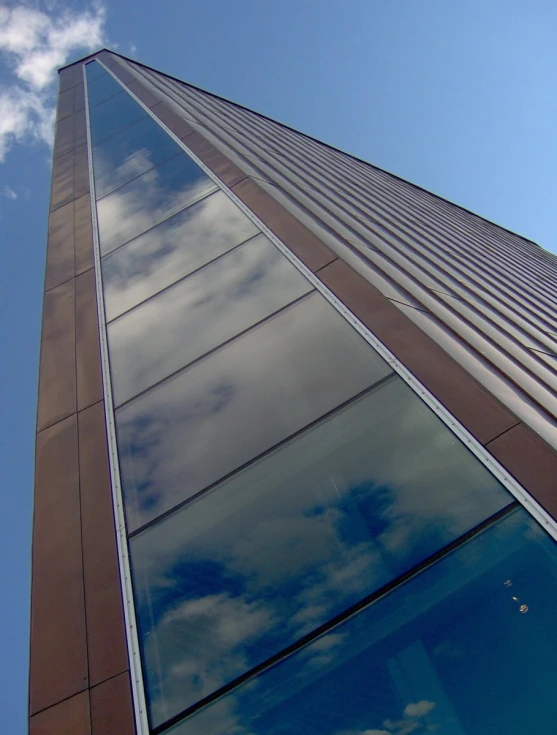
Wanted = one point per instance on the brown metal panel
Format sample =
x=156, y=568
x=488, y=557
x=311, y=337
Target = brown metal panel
x=58, y=666
x=62, y=181
x=107, y=58
x=531, y=461
x=78, y=97
x=70, y=717
x=106, y=636
x=81, y=171
x=215, y=160
x=65, y=104
x=173, y=121
x=298, y=238
x=88, y=356
x=474, y=407
x=123, y=74
x=67, y=78
x=148, y=98
x=111, y=707
x=83, y=234
x=64, y=141
x=57, y=383
x=60, y=253
x=80, y=128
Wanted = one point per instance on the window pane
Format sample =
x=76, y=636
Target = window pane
x=198, y=314
x=239, y=401
x=113, y=115
x=150, y=199
x=269, y=555
x=94, y=70
x=467, y=648
x=101, y=87
x=171, y=250
x=128, y=154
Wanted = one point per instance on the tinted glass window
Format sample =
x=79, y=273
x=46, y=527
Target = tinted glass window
x=467, y=648
x=237, y=402
x=171, y=250
x=113, y=115
x=128, y=154
x=199, y=313
x=101, y=88
x=94, y=70
x=149, y=199
x=297, y=538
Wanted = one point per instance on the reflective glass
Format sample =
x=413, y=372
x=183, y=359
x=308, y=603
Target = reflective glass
x=468, y=647
x=269, y=555
x=149, y=199
x=130, y=153
x=113, y=115
x=101, y=88
x=237, y=402
x=94, y=70
x=199, y=313
x=171, y=250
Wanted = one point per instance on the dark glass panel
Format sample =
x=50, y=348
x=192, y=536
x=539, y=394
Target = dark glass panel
x=198, y=314
x=113, y=115
x=130, y=153
x=101, y=88
x=171, y=250
x=239, y=401
x=468, y=647
x=298, y=537
x=148, y=200
x=94, y=70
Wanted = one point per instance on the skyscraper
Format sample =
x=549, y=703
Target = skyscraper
x=296, y=453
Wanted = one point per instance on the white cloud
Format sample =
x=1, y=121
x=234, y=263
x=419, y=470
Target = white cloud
x=33, y=44
x=418, y=709
x=9, y=193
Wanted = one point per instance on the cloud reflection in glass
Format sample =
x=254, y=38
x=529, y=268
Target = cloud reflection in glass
x=171, y=250
x=149, y=199
x=267, y=556
x=445, y=653
x=237, y=402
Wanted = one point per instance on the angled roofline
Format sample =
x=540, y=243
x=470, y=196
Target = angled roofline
x=310, y=137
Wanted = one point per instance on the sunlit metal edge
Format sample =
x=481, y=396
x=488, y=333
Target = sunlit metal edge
x=130, y=619
x=495, y=467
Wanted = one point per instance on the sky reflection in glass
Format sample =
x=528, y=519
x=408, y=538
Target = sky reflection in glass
x=94, y=70
x=279, y=549
x=199, y=313
x=237, y=402
x=149, y=199
x=130, y=153
x=101, y=88
x=171, y=250
x=112, y=115
x=450, y=653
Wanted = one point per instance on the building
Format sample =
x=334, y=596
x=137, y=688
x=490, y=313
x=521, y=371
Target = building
x=296, y=451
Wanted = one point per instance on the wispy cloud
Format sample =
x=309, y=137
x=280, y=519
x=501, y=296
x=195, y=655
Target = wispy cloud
x=8, y=192
x=33, y=44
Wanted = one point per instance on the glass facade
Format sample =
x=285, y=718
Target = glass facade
x=312, y=549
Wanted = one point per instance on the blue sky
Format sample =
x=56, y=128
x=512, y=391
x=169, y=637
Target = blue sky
x=457, y=97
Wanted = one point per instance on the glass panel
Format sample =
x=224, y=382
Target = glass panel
x=199, y=313
x=239, y=401
x=101, y=87
x=150, y=199
x=94, y=70
x=128, y=154
x=468, y=647
x=247, y=569
x=171, y=250
x=113, y=115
